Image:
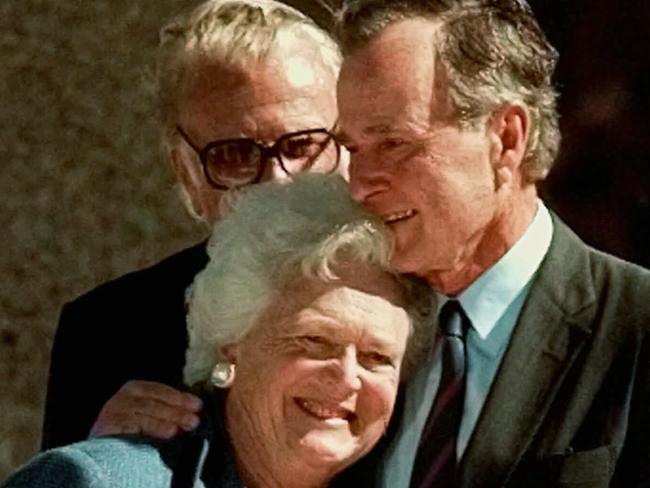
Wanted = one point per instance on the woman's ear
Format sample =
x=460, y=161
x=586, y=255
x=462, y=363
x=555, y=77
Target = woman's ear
x=231, y=353
x=509, y=129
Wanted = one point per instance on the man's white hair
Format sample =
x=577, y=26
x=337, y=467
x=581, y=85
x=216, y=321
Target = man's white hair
x=230, y=33
x=276, y=233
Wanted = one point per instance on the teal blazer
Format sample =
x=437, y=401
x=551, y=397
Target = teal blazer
x=200, y=459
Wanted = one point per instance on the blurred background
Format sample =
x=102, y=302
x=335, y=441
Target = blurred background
x=85, y=195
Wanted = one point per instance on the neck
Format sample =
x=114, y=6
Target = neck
x=263, y=464
x=488, y=246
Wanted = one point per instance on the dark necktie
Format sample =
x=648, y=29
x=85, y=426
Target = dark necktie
x=435, y=463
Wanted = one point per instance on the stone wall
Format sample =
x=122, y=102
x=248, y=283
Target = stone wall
x=84, y=193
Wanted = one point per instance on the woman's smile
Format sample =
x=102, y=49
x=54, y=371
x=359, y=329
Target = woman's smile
x=333, y=414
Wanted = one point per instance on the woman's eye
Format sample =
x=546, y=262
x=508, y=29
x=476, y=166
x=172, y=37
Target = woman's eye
x=372, y=360
x=314, y=343
x=315, y=339
x=316, y=347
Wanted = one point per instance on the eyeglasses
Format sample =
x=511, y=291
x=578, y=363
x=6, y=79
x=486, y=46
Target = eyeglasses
x=232, y=163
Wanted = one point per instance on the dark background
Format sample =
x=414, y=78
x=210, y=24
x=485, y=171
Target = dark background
x=601, y=182
x=86, y=196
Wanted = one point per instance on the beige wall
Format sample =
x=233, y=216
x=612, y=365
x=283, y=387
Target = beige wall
x=84, y=193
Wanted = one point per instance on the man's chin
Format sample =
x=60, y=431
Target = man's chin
x=403, y=262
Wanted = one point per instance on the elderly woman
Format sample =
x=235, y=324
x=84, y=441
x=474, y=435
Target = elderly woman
x=298, y=331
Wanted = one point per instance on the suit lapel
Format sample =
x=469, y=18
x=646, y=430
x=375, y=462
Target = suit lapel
x=548, y=336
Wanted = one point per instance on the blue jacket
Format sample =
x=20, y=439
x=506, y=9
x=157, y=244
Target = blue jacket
x=200, y=459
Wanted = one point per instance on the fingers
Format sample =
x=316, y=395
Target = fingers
x=160, y=429
x=155, y=409
x=152, y=409
x=165, y=394
x=133, y=424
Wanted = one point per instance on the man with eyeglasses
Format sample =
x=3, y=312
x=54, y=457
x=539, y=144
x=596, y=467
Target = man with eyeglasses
x=246, y=92
x=234, y=163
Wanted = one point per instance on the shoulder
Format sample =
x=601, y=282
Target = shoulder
x=623, y=290
x=618, y=288
x=569, y=251
x=147, y=296
x=177, y=270
x=103, y=462
x=628, y=276
x=125, y=313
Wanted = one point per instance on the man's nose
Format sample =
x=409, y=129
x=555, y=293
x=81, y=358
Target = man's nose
x=344, y=164
x=273, y=170
x=366, y=178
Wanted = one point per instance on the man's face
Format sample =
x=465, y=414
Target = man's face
x=431, y=182
x=317, y=375
x=290, y=91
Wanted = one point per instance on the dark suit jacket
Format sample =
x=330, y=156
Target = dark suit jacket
x=570, y=405
x=130, y=328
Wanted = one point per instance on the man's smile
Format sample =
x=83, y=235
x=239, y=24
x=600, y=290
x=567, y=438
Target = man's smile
x=393, y=217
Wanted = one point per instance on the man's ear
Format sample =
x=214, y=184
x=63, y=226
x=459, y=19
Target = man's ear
x=179, y=167
x=509, y=129
x=186, y=176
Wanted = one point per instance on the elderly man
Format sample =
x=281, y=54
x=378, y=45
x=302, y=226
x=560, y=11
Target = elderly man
x=247, y=93
x=540, y=373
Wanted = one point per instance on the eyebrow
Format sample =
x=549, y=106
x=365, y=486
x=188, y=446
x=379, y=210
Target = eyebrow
x=342, y=137
x=333, y=329
x=379, y=129
x=326, y=325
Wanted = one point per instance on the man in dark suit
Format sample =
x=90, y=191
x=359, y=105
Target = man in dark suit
x=246, y=93
x=540, y=371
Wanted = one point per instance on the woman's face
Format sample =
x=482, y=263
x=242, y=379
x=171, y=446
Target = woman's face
x=317, y=375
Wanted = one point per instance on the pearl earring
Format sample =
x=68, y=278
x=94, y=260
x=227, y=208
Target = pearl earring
x=223, y=375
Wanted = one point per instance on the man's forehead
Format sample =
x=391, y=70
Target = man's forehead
x=395, y=80
x=292, y=72
x=413, y=37
x=290, y=85
x=382, y=107
x=346, y=128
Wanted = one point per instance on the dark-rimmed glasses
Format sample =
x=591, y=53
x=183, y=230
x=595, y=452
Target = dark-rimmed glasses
x=232, y=163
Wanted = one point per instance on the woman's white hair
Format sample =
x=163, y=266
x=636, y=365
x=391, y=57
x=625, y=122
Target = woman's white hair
x=274, y=233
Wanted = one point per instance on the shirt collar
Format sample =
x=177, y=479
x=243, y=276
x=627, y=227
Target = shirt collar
x=487, y=298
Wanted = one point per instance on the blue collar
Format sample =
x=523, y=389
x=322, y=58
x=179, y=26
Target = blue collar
x=488, y=297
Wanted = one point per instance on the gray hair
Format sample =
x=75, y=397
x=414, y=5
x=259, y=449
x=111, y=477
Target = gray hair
x=230, y=33
x=275, y=233
x=494, y=53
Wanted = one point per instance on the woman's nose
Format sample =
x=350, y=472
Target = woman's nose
x=349, y=369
